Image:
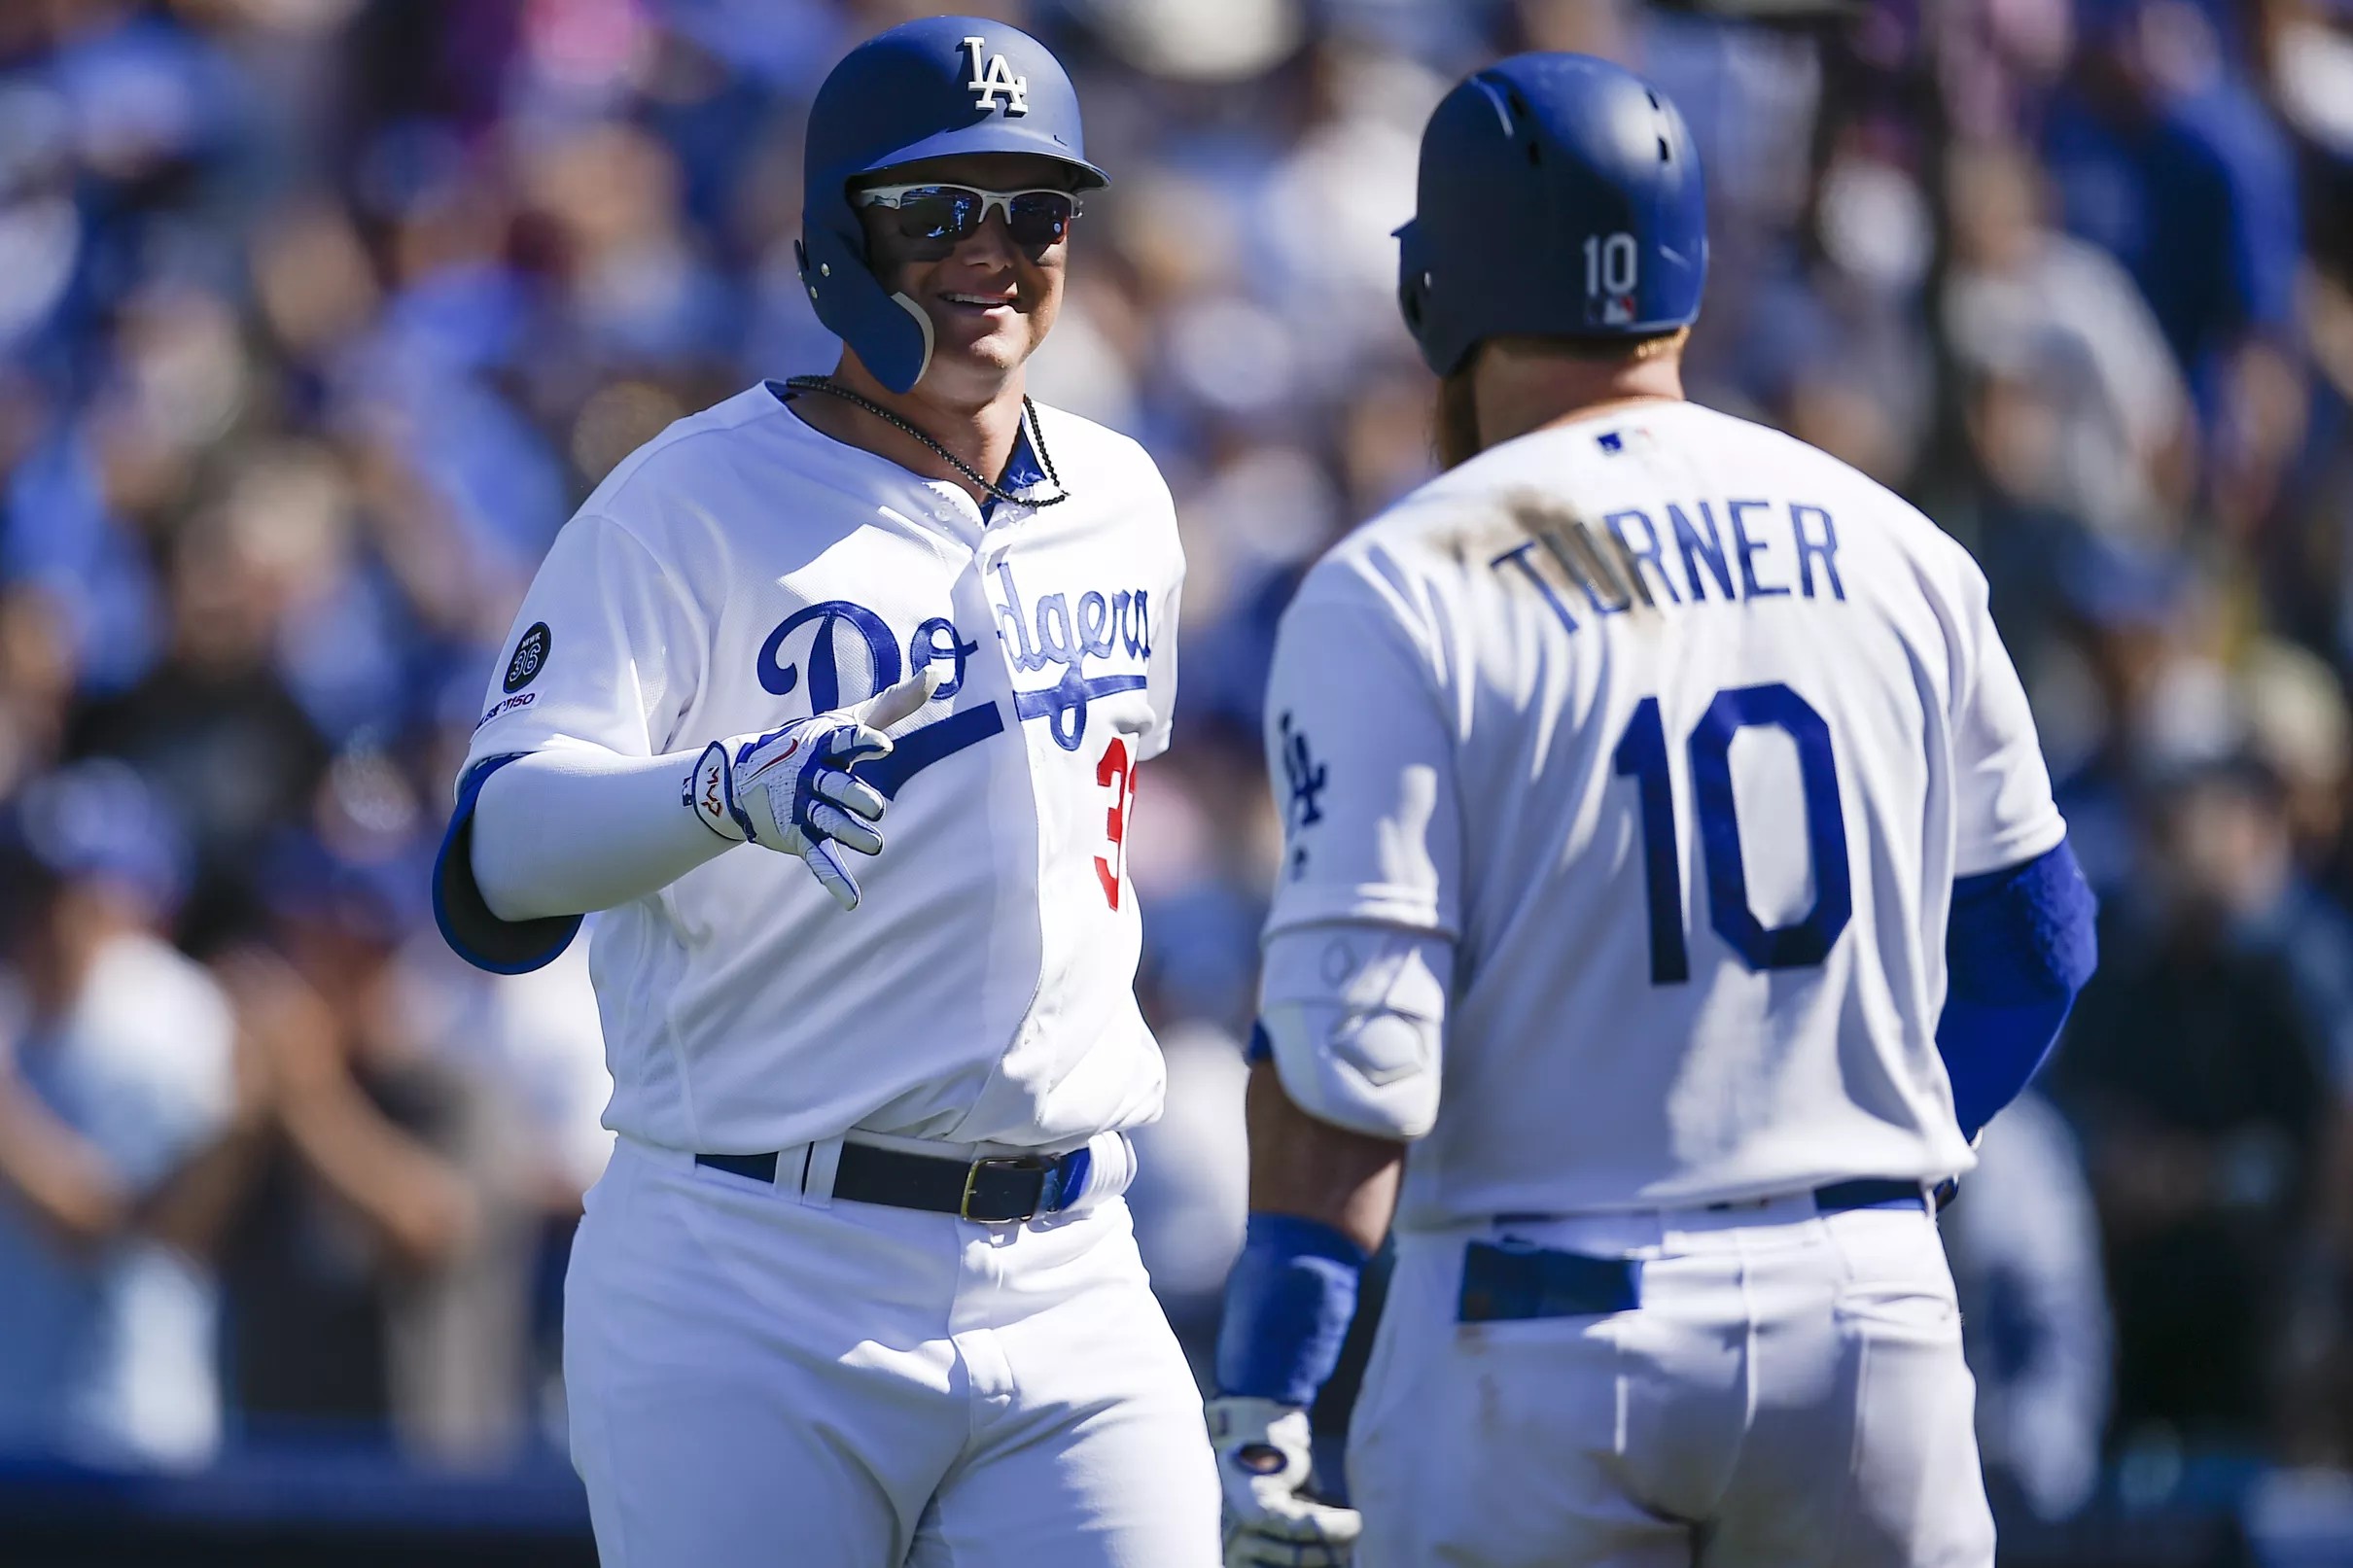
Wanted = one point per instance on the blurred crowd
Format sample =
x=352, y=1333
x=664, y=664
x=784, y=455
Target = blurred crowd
x=318, y=316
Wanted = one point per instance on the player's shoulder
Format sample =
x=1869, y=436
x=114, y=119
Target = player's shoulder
x=1445, y=531
x=678, y=459
x=1089, y=440
x=655, y=502
x=1397, y=565
x=1863, y=509
x=1087, y=452
x=1118, y=488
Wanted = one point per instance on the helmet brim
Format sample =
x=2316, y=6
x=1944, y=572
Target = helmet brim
x=994, y=136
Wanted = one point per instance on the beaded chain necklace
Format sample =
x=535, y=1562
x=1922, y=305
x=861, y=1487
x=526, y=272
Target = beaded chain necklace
x=1029, y=414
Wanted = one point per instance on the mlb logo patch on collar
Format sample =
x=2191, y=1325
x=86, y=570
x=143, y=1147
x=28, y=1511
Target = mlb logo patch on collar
x=1615, y=441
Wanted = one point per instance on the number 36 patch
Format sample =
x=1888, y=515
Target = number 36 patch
x=530, y=657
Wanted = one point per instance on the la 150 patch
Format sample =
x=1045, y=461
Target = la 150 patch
x=509, y=706
x=530, y=657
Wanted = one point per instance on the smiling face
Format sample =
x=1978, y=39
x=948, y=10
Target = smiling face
x=991, y=300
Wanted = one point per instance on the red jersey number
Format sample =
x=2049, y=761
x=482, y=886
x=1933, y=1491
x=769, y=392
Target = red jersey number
x=1117, y=774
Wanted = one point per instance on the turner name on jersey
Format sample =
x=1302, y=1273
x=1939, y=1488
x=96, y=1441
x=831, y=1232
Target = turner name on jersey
x=1760, y=538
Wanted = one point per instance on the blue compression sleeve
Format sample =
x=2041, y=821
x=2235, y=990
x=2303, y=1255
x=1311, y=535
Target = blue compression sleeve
x=2019, y=945
x=1287, y=1307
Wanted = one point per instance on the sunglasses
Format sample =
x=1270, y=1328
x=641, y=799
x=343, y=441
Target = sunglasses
x=951, y=213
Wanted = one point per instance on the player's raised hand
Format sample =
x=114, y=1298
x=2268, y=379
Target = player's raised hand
x=791, y=788
x=1263, y=1459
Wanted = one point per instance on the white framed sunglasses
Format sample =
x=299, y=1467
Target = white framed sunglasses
x=951, y=213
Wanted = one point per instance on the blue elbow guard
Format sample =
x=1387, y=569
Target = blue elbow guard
x=2019, y=945
x=1287, y=1307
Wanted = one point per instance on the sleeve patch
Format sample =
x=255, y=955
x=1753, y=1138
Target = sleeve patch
x=531, y=652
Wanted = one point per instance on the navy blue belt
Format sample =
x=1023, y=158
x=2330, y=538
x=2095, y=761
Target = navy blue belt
x=1505, y=1282
x=1005, y=1190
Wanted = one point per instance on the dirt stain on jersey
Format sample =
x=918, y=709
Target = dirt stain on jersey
x=1596, y=562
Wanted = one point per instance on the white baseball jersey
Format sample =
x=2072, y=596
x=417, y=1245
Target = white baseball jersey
x=743, y=570
x=1695, y=854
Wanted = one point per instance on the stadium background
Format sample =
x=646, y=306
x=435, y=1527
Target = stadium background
x=318, y=316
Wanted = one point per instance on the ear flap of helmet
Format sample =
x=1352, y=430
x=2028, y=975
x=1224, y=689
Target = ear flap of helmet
x=890, y=332
x=1425, y=315
x=1410, y=280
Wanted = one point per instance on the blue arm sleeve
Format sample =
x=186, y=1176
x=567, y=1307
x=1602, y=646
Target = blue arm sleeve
x=2019, y=947
x=471, y=931
x=1287, y=1307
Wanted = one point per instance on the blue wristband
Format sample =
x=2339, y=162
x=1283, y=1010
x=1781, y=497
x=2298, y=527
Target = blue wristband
x=1287, y=1307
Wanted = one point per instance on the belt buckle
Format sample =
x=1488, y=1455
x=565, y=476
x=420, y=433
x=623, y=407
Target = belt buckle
x=1031, y=1164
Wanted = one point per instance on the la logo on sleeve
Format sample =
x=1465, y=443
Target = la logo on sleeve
x=1308, y=779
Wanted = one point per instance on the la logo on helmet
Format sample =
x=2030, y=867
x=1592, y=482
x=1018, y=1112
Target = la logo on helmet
x=998, y=78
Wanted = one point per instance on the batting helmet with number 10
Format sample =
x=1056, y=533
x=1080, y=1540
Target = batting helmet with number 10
x=1560, y=196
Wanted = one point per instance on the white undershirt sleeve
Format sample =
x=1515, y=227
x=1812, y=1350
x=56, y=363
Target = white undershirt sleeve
x=575, y=828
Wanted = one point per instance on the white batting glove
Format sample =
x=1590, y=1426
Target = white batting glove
x=789, y=788
x=1263, y=1459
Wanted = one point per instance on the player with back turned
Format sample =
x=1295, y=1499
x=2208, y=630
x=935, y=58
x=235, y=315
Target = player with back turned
x=859, y=1287
x=1671, y=890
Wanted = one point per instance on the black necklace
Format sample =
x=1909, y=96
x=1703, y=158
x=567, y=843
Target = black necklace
x=1029, y=414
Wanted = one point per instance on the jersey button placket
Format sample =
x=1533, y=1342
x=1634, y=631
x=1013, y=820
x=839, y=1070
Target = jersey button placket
x=956, y=507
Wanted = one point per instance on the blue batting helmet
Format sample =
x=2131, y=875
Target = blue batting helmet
x=932, y=89
x=1560, y=195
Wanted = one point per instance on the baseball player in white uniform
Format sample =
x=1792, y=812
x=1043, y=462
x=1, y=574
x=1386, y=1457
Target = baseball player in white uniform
x=859, y=1287
x=1671, y=867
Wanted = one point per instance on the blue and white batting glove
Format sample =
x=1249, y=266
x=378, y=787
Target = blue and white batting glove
x=790, y=790
x=1263, y=1459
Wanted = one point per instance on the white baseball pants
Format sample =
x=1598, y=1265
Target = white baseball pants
x=758, y=1380
x=1789, y=1391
